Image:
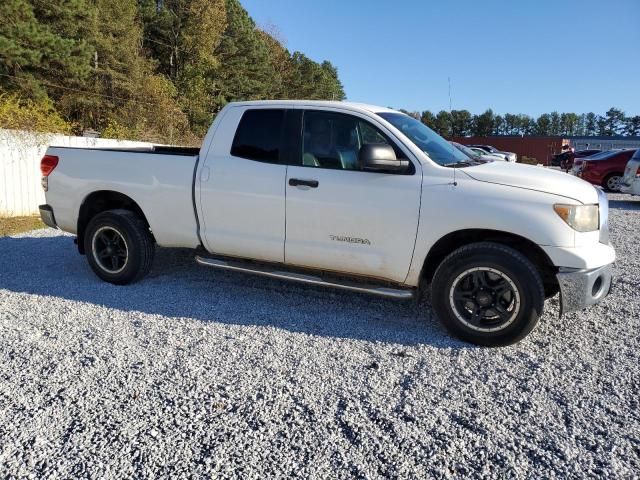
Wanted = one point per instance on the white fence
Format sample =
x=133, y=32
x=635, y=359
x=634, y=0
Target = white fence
x=20, y=155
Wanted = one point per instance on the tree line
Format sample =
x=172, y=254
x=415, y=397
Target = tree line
x=460, y=123
x=145, y=69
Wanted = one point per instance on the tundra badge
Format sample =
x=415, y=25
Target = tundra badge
x=342, y=238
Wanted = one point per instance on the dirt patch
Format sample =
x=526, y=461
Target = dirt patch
x=13, y=225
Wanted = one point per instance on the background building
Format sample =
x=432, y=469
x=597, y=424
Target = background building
x=604, y=143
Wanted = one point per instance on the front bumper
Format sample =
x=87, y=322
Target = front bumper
x=632, y=187
x=582, y=288
x=46, y=214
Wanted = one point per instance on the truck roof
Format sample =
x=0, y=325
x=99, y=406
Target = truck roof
x=317, y=103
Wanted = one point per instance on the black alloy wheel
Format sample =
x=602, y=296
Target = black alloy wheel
x=109, y=248
x=484, y=299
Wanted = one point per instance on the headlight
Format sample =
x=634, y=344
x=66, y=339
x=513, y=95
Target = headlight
x=582, y=218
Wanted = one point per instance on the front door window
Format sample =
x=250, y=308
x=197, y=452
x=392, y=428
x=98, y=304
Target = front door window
x=333, y=140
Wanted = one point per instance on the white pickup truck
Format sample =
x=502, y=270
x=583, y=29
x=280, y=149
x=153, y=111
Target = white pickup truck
x=344, y=195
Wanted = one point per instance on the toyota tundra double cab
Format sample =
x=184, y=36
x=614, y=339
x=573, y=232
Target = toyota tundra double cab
x=348, y=196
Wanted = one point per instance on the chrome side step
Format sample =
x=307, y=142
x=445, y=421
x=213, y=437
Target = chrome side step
x=305, y=278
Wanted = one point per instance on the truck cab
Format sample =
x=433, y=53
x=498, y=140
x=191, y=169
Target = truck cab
x=260, y=185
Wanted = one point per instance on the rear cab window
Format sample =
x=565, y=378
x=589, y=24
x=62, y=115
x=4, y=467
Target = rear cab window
x=259, y=136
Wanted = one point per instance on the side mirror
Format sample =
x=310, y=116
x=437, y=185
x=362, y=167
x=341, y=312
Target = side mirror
x=379, y=157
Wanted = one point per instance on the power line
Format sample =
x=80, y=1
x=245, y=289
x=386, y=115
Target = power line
x=173, y=47
x=49, y=84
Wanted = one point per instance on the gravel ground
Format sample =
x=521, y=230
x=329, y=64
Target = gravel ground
x=198, y=373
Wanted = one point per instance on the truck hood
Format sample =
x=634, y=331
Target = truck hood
x=534, y=178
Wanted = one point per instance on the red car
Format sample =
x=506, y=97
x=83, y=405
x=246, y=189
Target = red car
x=606, y=170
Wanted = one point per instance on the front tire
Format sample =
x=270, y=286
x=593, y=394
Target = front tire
x=488, y=294
x=119, y=246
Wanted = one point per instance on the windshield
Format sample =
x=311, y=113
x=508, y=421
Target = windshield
x=602, y=155
x=486, y=148
x=436, y=147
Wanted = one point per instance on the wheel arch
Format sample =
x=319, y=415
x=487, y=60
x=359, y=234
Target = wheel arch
x=454, y=240
x=100, y=201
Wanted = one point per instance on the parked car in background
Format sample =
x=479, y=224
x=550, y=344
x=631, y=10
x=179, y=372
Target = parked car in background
x=565, y=160
x=577, y=162
x=630, y=182
x=484, y=152
x=491, y=156
x=606, y=171
x=477, y=154
x=511, y=157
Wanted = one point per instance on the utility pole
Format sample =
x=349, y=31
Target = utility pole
x=449, y=81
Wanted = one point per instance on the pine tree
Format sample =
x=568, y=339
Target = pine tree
x=155, y=69
x=281, y=63
x=498, y=125
x=591, y=124
x=42, y=44
x=461, y=123
x=614, y=122
x=181, y=36
x=443, y=123
x=428, y=118
x=526, y=125
x=122, y=89
x=632, y=127
x=244, y=72
x=555, y=127
x=543, y=124
x=483, y=124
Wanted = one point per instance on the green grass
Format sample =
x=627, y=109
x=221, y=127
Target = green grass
x=13, y=225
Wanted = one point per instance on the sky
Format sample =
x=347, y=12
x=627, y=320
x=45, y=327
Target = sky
x=514, y=56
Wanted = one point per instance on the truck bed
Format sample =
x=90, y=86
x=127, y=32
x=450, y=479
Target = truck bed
x=158, y=179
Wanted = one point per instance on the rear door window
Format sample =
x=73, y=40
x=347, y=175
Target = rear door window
x=259, y=136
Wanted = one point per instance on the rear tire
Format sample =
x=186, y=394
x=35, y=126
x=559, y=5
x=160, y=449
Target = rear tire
x=611, y=182
x=119, y=246
x=488, y=294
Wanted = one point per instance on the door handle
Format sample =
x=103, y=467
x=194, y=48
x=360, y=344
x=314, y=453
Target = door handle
x=294, y=182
